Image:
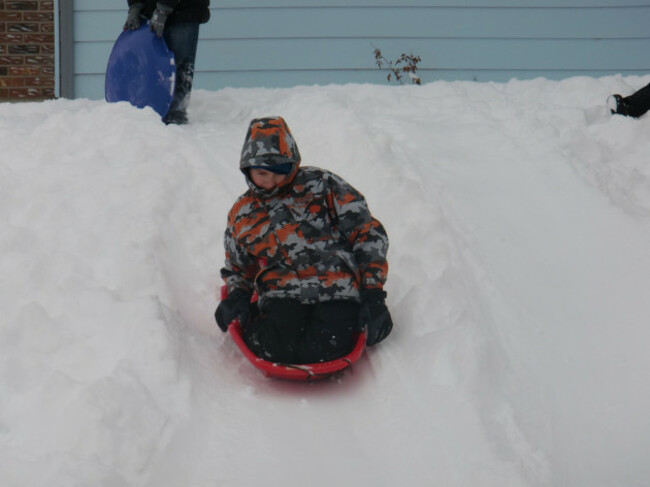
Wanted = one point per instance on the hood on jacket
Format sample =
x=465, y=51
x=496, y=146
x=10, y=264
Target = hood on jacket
x=269, y=143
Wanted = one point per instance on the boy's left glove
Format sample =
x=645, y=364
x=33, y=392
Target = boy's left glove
x=235, y=306
x=159, y=18
x=375, y=315
x=133, y=17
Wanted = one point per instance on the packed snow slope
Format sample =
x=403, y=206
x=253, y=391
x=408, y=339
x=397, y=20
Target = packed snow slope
x=519, y=221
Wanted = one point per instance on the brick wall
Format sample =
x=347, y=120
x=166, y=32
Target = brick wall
x=26, y=49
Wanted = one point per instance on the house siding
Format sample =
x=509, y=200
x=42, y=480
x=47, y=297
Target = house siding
x=283, y=43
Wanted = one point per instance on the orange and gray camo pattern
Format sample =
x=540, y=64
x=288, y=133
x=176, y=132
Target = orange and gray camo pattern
x=312, y=238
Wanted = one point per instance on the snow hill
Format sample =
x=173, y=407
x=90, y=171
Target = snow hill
x=519, y=220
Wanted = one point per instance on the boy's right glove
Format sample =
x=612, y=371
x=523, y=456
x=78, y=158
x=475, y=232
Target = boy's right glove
x=375, y=315
x=159, y=18
x=235, y=306
x=133, y=17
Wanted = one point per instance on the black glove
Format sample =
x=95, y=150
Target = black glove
x=374, y=315
x=159, y=18
x=133, y=18
x=235, y=306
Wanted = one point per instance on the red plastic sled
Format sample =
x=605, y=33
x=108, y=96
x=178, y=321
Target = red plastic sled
x=296, y=372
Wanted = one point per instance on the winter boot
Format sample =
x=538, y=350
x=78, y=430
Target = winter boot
x=618, y=105
x=177, y=117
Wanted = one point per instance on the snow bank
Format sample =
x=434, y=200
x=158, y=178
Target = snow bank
x=519, y=219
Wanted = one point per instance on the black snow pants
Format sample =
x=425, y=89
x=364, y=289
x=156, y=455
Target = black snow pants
x=288, y=332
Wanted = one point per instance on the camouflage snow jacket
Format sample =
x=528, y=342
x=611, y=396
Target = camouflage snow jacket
x=312, y=238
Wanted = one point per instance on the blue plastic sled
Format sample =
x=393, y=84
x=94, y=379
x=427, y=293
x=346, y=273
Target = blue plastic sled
x=141, y=70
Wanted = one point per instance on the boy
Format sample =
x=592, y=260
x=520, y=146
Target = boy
x=304, y=239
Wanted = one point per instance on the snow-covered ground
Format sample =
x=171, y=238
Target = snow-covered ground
x=519, y=219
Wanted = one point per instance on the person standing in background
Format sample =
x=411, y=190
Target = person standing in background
x=178, y=22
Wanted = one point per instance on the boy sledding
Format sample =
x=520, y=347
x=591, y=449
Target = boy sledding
x=305, y=242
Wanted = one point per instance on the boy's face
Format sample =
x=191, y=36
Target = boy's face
x=266, y=179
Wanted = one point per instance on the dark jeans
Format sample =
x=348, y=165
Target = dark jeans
x=639, y=102
x=182, y=39
x=288, y=332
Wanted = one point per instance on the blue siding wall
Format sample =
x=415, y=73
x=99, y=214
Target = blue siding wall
x=280, y=43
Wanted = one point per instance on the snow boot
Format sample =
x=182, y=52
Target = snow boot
x=618, y=105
